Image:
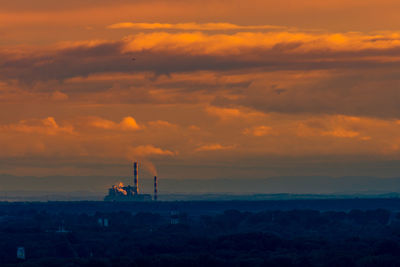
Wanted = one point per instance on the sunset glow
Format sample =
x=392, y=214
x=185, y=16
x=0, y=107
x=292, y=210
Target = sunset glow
x=183, y=85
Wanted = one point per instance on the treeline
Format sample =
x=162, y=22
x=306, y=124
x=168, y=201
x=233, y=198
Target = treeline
x=232, y=238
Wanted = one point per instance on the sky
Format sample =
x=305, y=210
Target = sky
x=200, y=89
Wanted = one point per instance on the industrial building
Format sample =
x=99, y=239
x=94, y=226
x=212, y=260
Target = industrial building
x=130, y=193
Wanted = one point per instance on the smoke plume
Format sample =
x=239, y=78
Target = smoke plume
x=150, y=167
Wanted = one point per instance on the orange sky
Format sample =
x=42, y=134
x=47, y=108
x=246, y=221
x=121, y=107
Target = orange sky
x=257, y=88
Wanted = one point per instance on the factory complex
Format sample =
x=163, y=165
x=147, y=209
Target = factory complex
x=130, y=193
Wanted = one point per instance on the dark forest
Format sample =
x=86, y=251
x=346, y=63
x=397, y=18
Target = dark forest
x=177, y=234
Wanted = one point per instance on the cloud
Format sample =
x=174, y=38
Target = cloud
x=329, y=73
x=102, y=123
x=321, y=135
x=194, y=128
x=47, y=126
x=162, y=124
x=301, y=92
x=258, y=131
x=127, y=124
x=59, y=96
x=149, y=150
x=232, y=113
x=164, y=53
x=190, y=26
x=213, y=147
x=338, y=126
x=224, y=113
x=342, y=133
x=353, y=92
x=283, y=43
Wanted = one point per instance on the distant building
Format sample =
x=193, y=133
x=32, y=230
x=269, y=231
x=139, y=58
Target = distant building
x=61, y=229
x=121, y=192
x=125, y=193
x=177, y=217
x=21, y=253
x=103, y=222
x=174, y=217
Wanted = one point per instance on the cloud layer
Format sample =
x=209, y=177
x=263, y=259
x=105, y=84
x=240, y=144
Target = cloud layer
x=200, y=84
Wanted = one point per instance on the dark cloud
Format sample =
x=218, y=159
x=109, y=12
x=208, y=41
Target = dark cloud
x=361, y=93
x=49, y=5
x=360, y=82
x=84, y=60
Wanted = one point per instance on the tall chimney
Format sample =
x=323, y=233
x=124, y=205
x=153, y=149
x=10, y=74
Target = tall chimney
x=135, y=177
x=155, y=188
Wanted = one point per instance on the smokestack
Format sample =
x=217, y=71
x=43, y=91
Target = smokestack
x=155, y=188
x=135, y=177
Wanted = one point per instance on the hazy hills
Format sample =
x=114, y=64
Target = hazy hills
x=94, y=187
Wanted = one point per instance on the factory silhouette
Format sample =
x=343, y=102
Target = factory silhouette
x=130, y=193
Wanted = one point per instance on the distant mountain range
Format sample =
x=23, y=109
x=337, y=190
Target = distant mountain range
x=94, y=187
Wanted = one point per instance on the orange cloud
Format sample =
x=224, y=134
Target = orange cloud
x=149, y=150
x=224, y=113
x=258, y=131
x=59, y=96
x=232, y=113
x=339, y=126
x=103, y=123
x=214, y=76
x=161, y=123
x=190, y=26
x=127, y=123
x=213, y=147
x=194, y=128
x=343, y=133
x=47, y=126
x=241, y=43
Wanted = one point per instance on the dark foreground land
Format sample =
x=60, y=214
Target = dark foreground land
x=351, y=232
